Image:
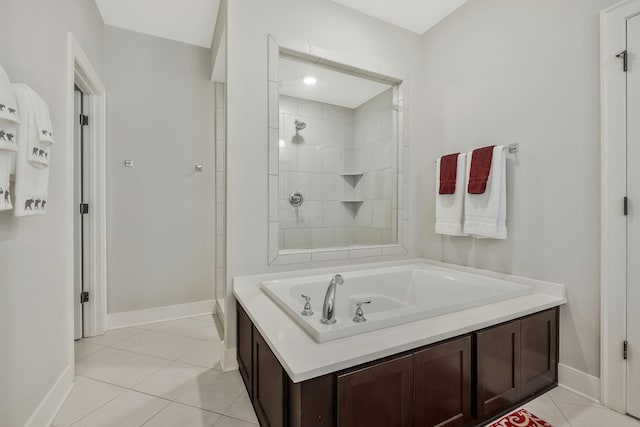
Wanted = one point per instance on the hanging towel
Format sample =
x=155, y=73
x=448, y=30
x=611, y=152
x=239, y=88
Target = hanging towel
x=449, y=207
x=486, y=213
x=39, y=147
x=32, y=177
x=480, y=168
x=8, y=136
x=448, y=173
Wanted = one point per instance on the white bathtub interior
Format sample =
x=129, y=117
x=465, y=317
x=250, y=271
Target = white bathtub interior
x=398, y=295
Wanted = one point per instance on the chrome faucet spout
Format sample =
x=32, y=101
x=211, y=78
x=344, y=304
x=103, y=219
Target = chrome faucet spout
x=328, y=309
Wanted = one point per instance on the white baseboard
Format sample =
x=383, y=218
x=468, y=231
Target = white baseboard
x=159, y=314
x=228, y=359
x=52, y=402
x=579, y=382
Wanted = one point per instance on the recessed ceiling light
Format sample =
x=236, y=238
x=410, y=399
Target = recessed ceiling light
x=310, y=80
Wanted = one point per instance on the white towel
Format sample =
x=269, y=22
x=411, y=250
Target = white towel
x=39, y=147
x=8, y=138
x=486, y=214
x=449, y=207
x=32, y=177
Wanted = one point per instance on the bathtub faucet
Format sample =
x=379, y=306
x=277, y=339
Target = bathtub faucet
x=328, y=309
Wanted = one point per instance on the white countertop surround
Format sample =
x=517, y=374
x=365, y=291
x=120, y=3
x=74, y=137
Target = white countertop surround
x=304, y=359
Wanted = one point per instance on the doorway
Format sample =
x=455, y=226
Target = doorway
x=632, y=63
x=81, y=218
x=85, y=181
x=620, y=198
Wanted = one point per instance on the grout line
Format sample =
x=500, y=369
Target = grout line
x=111, y=400
x=560, y=410
x=133, y=353
x=160, y=410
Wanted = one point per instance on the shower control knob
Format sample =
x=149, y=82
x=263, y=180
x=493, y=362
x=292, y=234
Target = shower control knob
x=307, y=311
x=296, y=198
x=359, y=316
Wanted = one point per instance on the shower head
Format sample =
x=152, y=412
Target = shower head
x=299, y=125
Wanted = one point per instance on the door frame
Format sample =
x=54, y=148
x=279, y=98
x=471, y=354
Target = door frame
x=81, y=73
x=613, y=251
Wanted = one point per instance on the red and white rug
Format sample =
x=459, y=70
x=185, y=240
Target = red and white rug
x=521, y=418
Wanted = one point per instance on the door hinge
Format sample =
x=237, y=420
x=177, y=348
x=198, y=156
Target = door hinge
x=84, y=120
x=624, y=57
x=84, y=297
x=84, y=208
x=625, y=205
x=625, y=350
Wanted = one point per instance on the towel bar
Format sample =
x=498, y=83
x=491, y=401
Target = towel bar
x=511, y=148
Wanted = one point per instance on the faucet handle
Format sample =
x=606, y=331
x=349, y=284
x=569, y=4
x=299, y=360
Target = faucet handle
x=307, y=311
x=359, y=316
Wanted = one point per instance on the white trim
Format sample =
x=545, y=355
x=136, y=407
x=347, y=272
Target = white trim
x=579, y=382
x=613, y=188
x=80, y=72
x=219, y=310
x=95, y=323
x=228, y=359
x=53, y=401
x=159, y=314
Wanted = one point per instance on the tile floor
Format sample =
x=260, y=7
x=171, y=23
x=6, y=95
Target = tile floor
x=562, y=408
x=167, y=374
x=161, y=374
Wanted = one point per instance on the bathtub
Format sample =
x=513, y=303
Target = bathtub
x=398, y=294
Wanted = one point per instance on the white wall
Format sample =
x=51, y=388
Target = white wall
x=321, y=24
x=34, y=279
x=499, y=71
x=161, y=213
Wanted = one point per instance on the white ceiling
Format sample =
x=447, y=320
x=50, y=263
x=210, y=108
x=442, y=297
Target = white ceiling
x=333, y=87
x=414, y=15
x=187, y=21
x=193, y=21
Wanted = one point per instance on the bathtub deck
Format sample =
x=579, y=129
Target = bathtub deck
x=303, y=358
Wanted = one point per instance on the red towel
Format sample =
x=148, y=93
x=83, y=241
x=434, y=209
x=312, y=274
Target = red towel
x=448, y=173
x=480, y=168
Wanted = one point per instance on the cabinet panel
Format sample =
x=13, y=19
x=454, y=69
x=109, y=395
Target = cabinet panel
x=378, y=395
x=443, y=384
x=539, y=349
x=269, y=385
x=498, y=368
x=312, y=402
x=245, y=348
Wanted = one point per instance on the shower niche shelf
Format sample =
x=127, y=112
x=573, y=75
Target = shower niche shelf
x=351, y=201
x=352, y=177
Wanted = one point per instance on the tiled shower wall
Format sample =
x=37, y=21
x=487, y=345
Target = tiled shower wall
x=337, y=210
x=375, y=154
x=221, y=277
x=310, y=162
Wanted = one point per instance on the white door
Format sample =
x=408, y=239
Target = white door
x=633, y=219
x=81, y=222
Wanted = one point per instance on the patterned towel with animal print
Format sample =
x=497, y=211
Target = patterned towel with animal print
x=8, y=132
x=32, y=178
x=39, y=147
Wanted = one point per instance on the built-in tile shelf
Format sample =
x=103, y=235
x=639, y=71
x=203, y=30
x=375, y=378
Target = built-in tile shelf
x=352, y=177
x=351, y=201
